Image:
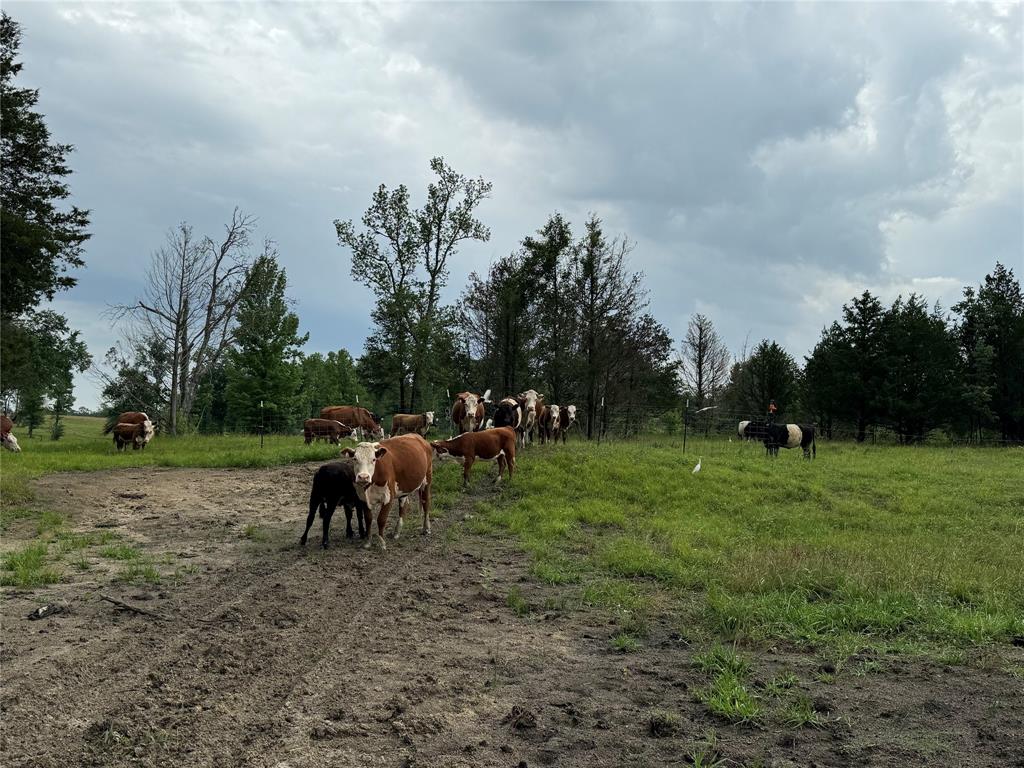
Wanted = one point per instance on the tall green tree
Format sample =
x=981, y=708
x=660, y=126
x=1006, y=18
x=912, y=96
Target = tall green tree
x=990, y=333
x=608, y=298
x=41, y=239
x=919, y=389
x=770, y=373
x=402, y=254
x=862, y=355
x=263, y=363
x=329, y=379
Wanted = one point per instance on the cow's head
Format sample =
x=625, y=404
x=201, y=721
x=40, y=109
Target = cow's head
x=430, y=417
x=148, y=431
x=554, y=413
x=10, y=442
x=571, y=410
x=365, y=455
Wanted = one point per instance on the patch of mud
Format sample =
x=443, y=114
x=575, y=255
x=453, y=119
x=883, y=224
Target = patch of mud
x=266, y=654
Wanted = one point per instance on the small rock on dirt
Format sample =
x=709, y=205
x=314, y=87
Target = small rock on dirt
x=520, y=718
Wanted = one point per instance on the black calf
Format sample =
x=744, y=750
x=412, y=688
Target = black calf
x=334, y=484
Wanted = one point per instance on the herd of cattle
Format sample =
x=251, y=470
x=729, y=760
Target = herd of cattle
x=373, y=476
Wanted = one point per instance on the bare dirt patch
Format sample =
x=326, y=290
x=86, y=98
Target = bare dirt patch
x=265, y=654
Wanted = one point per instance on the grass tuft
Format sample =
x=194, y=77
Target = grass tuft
x=27, y=567
x=728, y=698
x=516, y=601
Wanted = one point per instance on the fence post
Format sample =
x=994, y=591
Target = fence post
x=685, y=408
x=262, y=429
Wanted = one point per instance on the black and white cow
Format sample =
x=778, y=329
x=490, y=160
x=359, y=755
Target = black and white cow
x=511, y=412
x=752, y=430
x=790, y=436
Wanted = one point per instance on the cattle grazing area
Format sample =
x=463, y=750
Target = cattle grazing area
x=605, y=607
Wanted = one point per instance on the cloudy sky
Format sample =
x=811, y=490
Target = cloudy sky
x=770, y=161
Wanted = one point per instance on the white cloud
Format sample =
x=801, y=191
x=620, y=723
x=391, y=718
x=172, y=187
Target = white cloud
x=771, y=160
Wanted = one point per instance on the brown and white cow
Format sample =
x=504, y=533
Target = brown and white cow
x=394, y=469
x=566, y=418
x=357, y=417
x=540, y=419
x=417, y=423
x=549, y=423
x=9, y=441
x=530, y=399
x=469, y=411
x=133, y=417
x=129, y=434
x=487, y=445
x=324, y=429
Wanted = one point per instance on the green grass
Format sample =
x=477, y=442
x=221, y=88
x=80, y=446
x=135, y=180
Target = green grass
x=719, y=659
x=518, y=603
x=83, y=448
x=897, y=549
x=119, y=552
x=624, y=642
x=800, y=713
x=728, y=697
x=26, y=567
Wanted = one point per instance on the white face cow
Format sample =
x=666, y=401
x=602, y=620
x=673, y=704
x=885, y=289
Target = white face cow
x=10, y=442
x=572, y=414
x=430, y=417
x=365, y=455
x=554, y=414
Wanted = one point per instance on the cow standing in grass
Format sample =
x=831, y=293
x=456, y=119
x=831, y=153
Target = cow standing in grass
x=129, y=434
x=360, y=419
x=416, y=423
x=395, y=469
x=486, y=445
x=566, y=419
x=752, y=430
x=511, y=412
x=131, y=417
x=334, y=484
x=790, y=436
x=324, y=429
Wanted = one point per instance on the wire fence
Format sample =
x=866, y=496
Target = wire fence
x=660, y=425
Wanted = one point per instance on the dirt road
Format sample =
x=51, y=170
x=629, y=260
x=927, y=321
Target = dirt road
x=269, y=655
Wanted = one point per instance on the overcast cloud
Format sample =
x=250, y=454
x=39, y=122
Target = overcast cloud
x=770, y=160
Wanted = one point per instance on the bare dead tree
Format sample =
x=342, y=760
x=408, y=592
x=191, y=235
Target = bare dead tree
x=193, y=286
x=705, y=360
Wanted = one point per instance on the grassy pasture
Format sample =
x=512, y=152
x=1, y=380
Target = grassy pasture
x=84, y=448
x=897, y=549
x=893, y=548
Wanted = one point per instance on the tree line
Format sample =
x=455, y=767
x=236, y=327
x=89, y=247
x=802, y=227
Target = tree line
x=213, y=342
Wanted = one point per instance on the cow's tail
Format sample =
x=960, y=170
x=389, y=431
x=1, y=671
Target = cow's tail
x=110, y=423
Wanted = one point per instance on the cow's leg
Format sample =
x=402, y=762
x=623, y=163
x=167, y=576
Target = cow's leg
x=425, y=506
x=501, y=467
x=371, y=517
x=362, y=520
x=325, y=537
x=402, y=506
x=466, y=466
x=382, y=521
x=348, y=521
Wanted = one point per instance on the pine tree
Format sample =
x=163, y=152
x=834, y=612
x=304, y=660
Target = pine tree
x=263, y=363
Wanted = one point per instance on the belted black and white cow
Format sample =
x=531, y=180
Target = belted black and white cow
x=790, y=436
x=752, y=430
